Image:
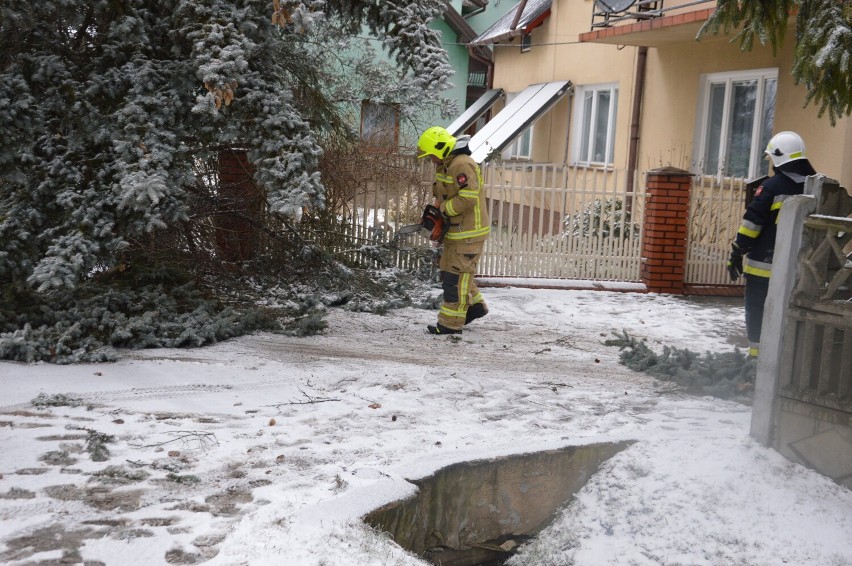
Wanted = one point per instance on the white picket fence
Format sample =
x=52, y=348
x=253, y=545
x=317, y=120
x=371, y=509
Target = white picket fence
x=551, y=221
x=557, y=221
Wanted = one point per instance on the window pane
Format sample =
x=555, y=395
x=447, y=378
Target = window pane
x=601, y=122
x=378, y=124
x=742, y=125
x=611, y=128
x=746, y=101
x=713, y=140
x=587, y=126
x=768, y=125
x=525, y=143
x=521, y=147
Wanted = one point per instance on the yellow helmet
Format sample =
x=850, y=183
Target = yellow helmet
x=435, y=141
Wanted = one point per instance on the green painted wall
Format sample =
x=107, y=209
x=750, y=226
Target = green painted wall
x=458, y=58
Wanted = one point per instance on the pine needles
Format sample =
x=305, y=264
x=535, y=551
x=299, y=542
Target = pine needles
x=725, y=375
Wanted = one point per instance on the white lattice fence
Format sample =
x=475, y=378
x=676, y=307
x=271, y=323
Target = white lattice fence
x=715, y=212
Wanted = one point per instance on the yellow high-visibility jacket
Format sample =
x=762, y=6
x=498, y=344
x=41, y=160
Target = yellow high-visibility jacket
x=461, y=196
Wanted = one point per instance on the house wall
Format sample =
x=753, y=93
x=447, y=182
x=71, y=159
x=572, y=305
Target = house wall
x=459, y=59
x=671, y=98
x=557, y=55
x=458, y=56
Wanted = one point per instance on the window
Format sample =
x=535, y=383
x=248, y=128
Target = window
x=521, y=148
x=736, y=114
x=526, y=42
x=379, y=125
x=594, y=137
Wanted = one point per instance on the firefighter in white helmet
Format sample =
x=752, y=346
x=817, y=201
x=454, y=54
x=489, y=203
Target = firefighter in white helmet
x=460, y=197
x=754, y=245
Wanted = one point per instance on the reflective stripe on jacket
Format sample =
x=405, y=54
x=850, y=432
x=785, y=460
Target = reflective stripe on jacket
x=458, y=188
x=756, y=234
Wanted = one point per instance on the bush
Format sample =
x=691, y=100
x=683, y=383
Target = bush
x=87, y=324
x=602, y=218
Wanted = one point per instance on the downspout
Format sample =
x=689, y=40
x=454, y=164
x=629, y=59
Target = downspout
x=633, y=148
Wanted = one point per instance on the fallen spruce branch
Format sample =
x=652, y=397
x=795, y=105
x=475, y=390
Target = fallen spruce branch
x=724, y=375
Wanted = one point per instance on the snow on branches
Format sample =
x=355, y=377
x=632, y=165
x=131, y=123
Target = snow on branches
x=107, y=109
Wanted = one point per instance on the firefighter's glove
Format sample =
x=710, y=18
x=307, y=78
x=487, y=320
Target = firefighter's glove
x=735, y=262
x=433, y=224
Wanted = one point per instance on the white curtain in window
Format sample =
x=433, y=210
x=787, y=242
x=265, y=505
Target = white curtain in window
x=596, y=139
x=737, y=117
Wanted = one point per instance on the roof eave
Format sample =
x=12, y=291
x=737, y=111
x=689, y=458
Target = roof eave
x=512, y=34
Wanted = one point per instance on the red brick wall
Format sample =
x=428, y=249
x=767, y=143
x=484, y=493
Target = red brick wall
x=664, y=238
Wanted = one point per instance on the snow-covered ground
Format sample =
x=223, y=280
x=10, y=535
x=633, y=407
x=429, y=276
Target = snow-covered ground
x=269, y=449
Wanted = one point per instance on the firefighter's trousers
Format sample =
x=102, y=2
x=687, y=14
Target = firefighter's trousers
x=756, y=289
x=458, y=266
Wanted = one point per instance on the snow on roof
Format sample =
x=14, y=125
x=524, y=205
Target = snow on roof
x=534, y=13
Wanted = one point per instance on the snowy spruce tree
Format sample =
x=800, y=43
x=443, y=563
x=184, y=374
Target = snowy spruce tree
x=110, y=111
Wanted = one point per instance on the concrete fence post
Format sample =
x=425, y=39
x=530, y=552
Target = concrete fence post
x=664, y=236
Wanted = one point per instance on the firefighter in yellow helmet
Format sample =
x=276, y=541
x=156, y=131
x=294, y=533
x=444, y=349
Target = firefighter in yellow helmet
x=460, y=196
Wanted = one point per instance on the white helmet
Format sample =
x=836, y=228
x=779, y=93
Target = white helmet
x=785, y=147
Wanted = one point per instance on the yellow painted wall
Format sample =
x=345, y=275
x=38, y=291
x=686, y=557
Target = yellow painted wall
x=671, y=98
x=556, y=54
x=671, y=91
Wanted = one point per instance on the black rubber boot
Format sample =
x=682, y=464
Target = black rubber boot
x=475, y=311
x=441, y=329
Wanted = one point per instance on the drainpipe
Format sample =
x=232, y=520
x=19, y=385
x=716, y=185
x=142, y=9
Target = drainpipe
x=633, y=148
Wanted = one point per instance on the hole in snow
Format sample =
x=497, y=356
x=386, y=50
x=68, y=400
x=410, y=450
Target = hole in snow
x=477, y=513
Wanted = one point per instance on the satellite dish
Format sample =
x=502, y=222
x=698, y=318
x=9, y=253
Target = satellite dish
x=614, y=6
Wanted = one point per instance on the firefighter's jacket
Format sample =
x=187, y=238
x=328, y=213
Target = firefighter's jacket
x=756, y=234
x=458, y=189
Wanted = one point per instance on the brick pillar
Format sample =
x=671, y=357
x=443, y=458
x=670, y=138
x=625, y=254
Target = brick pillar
x=665, y=229
x=239, y=208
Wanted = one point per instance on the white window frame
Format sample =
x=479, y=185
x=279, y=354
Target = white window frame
x=584, y=133
x=756, y=165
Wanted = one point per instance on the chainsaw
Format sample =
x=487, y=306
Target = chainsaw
x=409, y=229
x=432, y=225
